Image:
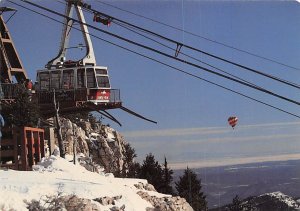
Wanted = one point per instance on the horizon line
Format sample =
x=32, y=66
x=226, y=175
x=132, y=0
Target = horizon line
x=233, y=161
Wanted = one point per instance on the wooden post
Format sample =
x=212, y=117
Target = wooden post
x=16, y=140
x=24, y=150
x=37, y=146
x=42, y=140
x=58, y=128
x=74, y=144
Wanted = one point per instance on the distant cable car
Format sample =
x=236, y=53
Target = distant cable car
x=232, y=121
x=102, y=19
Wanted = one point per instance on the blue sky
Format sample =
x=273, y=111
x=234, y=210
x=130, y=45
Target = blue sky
x=192, y=114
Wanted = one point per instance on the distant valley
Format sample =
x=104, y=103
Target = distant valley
x=222, y=184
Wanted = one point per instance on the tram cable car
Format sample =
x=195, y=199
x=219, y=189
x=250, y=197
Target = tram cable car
x=81, y=80
x=92, y=82
x=77, y=85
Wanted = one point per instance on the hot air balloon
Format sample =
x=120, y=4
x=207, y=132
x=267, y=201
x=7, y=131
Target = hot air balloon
x=232, y=121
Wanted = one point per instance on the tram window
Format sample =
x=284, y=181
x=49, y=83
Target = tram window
x=68, y=79
x=80, y=78
x=90, y=78
x=101, y=71
x=55, y=80
x=44, y=80
x=103, y=82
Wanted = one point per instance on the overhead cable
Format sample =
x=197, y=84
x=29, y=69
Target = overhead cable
x=165, y=64
x=177, y=50
x=166, y=55
x=134, y=27
x=114, y=19
x=199, y=36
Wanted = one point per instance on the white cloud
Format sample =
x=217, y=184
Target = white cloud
x=202, y=130
x=212, y=143
x=245, y=139
x=233, y=161
x=176, y=132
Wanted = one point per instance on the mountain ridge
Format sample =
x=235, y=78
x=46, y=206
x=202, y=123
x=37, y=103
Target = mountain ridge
x=275, y=201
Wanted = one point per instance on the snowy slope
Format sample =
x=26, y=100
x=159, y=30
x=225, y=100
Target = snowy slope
x=289, y=201
x=59, y=175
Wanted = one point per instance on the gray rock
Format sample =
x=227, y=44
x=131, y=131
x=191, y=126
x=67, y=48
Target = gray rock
x=106, y=152
x=73, y=202
x=115, y=208
x=165, y=203
x=149, y=187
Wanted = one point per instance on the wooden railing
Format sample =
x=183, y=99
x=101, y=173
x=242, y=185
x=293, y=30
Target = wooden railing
x=22, y=147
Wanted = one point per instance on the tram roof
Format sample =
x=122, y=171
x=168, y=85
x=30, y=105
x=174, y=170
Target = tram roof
x=68, y=68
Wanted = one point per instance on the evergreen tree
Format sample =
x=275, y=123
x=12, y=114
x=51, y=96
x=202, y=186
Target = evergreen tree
x=151, y=171
x=167, y=179
x=134, y=170
x=92, y=120
x=130, y=167
x=236, y=204
x=189, y=187
x=23, y=111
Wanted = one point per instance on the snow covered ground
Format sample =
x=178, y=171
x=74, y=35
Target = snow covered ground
x=285, y=199
x=55, y=174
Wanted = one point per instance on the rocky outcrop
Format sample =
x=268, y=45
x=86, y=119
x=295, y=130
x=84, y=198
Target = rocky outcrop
x=72, y=132
x=107, y=148
x=69, y=202
x=108, y=200
x=75, y=203
x=103, y=145
x=165, y=203
x=146, y=186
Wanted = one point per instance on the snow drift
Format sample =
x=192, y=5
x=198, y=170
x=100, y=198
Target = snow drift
x=55, y=176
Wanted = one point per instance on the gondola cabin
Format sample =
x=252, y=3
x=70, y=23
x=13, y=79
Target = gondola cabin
x=76, y=83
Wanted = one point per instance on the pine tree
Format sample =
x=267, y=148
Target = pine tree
x=242, y=205
x=189, y=187
x=151, y=170
x=236, y=204
x=130, y=168
x=23, y=111
x=167, y=179
x=134, y=170
x=92, y=120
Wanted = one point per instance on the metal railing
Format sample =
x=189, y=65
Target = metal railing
x=73, y=95
x=10, y=92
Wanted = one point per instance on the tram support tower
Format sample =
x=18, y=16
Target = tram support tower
x=10, y=62
x=89, y=58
